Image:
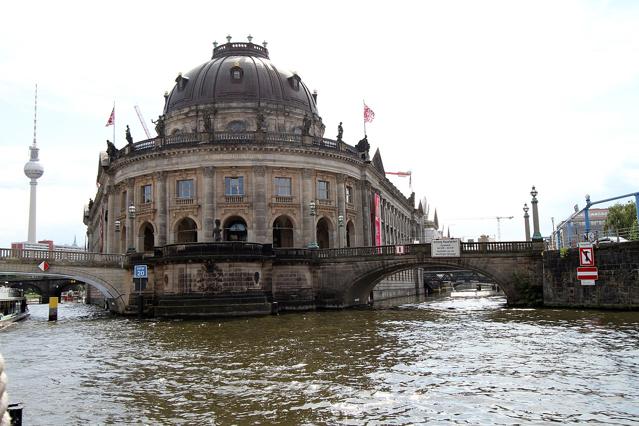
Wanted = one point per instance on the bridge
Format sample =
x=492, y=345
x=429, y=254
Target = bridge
x=293, y=278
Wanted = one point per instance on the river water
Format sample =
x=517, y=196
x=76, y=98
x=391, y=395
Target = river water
x=442, y=361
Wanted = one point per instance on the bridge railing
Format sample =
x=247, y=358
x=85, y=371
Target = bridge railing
x=498, y=247
x=62, y=255
x=400, y=249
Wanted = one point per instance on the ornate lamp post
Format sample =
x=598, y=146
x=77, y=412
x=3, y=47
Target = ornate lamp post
x=535, y=213
x=131, y=247
x=527, y=221
x=340, y=222
x=313, y=213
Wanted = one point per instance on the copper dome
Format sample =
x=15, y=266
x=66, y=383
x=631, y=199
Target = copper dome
x=239, y=72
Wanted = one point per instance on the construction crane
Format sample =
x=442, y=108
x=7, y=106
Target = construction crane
x=498, y=218
x=146, y=129
x=404, y=174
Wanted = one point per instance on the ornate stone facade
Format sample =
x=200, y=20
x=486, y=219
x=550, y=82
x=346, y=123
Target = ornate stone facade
x=242, y=141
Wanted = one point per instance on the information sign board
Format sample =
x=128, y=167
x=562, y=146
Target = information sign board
x=446, y=248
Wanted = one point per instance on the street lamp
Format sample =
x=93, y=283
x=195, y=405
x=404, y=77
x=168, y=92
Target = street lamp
x=130, y=228
x=313, y=213
x=527, y=221
x=340, y=222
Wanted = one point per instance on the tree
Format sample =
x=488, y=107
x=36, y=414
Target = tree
x=621, y=217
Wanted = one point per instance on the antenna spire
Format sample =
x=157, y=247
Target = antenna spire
x=35, y=114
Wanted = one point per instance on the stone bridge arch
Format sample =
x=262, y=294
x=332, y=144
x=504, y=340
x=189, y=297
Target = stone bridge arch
x=344, y=282
x=110, y=281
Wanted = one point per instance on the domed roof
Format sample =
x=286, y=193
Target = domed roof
x=239, y=72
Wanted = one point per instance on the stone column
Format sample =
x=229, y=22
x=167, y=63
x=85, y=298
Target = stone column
x=536, y=234
x=308, y=194
x=208, y=204
x=341, y=210
x=110, y=227
x=260, y=213
x=526, y=222
x=130, y=227
x=162, y=209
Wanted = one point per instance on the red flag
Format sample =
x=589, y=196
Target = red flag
x=111, y=120
x=369, y=115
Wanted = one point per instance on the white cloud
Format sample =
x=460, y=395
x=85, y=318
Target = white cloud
x=480, y=100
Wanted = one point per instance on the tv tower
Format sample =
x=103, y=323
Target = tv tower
x=34, y=170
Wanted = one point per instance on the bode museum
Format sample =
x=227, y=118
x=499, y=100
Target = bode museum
x=240, y=155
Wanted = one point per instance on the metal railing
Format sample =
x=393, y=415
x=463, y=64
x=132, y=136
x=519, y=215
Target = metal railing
x=61, y=255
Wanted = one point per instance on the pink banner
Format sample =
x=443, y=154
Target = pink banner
x=378, y=221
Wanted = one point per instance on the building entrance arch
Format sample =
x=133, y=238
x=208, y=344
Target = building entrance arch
x=235, y=229
x=283, y=232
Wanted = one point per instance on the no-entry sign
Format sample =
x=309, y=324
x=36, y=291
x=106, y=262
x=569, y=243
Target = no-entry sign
x=587, y=273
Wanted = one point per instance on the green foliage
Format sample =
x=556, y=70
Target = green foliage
x=621, y=216
x=529, y=294
x=563, y=252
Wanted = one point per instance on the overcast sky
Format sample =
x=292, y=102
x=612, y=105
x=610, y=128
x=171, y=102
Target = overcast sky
x=479, y=99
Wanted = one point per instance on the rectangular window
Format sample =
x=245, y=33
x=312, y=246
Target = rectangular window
x=322, y=190
x=185, y=188
x=349, y=194
x=147, y=194
x=283, y=186
x=234, y=185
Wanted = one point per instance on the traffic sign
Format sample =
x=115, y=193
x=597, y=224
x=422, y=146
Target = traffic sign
x=140, y=271
x=586, y=256
x=44, y=266
x=587, y=273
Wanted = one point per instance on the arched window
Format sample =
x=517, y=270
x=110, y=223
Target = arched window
x=350, y=234
x=186, y=231
x=323, y=233
x=236, y=74
x=283, y=232
x=147, y=237
x=235, y=229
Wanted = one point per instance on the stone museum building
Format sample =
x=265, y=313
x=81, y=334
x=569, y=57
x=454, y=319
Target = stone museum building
x=241, y=155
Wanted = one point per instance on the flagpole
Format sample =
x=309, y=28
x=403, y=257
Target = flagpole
x=364, y=116
x=114, y=122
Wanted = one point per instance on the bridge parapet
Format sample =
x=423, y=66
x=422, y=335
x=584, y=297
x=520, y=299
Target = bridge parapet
x=67, y=257
x=511, y=247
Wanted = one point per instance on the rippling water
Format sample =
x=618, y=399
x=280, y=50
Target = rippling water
x=444, y=361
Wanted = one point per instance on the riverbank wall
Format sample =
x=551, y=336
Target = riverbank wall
x=616, y=288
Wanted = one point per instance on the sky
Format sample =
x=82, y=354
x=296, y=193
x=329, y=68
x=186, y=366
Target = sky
x=480, y=100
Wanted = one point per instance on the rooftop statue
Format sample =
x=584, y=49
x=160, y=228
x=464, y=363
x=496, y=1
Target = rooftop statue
x=363, y=145
x=112, y=151
x=128, y=137
x=159, y=126
x=307, y=125
x=340, y=131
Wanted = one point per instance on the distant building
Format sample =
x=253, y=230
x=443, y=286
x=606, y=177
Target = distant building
x=572, y=230
x=46, y=245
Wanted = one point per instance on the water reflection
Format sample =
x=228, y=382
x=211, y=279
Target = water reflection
x=459, y=361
